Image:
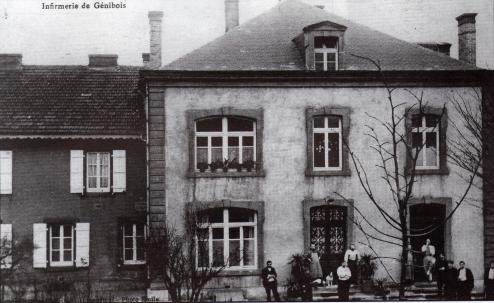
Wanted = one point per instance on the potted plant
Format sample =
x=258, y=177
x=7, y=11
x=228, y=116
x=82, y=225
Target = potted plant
x=215, y=165
x=380, y=289
x=299, y=283
x=248, y=164
x=367, y=267
x=202, y=166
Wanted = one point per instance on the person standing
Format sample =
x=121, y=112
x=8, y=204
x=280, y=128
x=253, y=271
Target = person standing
x=441, y=266
x=450, y=282
x=315, y=266
x=269, y=281
x=489, y=282
x=429, y=251
x=352, y=257
x=465, y=282
x=409, y=274
x=344, y=274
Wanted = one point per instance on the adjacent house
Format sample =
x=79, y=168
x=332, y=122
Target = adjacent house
x=73, y=174
x=282, y=94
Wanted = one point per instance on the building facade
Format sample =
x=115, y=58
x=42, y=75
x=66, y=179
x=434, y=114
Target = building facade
x=291, y=94
x=73, y=175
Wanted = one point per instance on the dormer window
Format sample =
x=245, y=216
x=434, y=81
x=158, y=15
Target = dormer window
x=326, y=53
x=322, y=46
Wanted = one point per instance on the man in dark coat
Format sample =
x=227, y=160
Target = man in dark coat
x=465, y=282
x=441, y=266
x=270, y=281
x=450, y=282
x=489, y=282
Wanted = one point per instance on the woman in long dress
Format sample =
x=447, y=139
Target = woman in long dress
x=315, y=265
x=410, y=269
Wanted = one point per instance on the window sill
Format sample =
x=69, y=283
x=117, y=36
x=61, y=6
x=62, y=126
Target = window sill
x=327, y=173
x=62, y=268
x=239, y=272
x=221, y=174
x=132, y=267
x=431, y=172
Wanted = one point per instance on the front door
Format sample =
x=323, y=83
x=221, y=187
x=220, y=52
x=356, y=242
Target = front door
x=328, y=233
x=426, y=218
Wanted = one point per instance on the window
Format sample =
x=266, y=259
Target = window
x=98, y=172
x=101, y=172
x=228, y=237
x=134, y=236
x=425, y=141
x=327, y=131
x=326, y=53
x=61, y=245
x=225, y=138
x=327, y=147
x=5, y=172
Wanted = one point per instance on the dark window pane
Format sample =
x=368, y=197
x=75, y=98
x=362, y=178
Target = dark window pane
x=239, y=124
x=241, y=215
x=214, y=215
x=128, y=231
x=140, y=254
x=129, y=254
x=333, y=121
x=67, y=230
x=140, y=230
x=209, y=125
x=234, y=258
x=67, y=243
x=55, y=256
x=319, y=57
x=325, y=42
x=318, y=150
x=248, y=253
x=202, y=141
x=248, y=232
x=55, y=244
x=431, y=120
x=248, y=141
x=216, y=141
x=233, y=141
x=234, y=233
x=331, y=57
x=319, y=122
x=217, y=233
x=55, y=231
x=218, y=255
x=334, y=150
x=430, y=139
x=416, y=140
x=128, y=243
x=416, y=121
x=203, y=256
x=319, y=66
x=331, y=66
x=140, y=243
x=67, y=255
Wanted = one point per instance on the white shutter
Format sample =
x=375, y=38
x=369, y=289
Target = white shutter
x=5, y=172
x=39, y=242
x=6, y=245
x=82, y=244
x=77, y=171
x=119, y=174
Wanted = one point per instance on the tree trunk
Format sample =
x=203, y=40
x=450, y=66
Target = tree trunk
x=404, y=257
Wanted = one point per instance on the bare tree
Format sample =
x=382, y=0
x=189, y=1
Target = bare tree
x=180, y=259
x=13, y=255
x=393, y=144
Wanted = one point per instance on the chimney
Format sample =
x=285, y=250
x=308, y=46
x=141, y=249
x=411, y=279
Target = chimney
x=103, y=60
x=155, y=36
x=467, y=38
x=10, y=61
x=231, y=14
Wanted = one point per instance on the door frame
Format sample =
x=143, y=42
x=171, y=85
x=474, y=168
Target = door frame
x=307, y=204
x=447, y=202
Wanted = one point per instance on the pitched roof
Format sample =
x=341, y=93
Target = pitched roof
x=265, y=43
x=70, y=101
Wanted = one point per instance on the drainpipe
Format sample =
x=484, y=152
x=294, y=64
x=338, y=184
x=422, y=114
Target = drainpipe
x=148, y=209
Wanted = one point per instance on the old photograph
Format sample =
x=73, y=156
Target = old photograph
x=246, y=150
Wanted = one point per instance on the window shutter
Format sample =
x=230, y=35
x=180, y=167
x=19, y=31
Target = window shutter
x=76, y=171
x=39, y=242
x=5, y=172
x=120, y=243
x=82, y=245
x=6, y=245
x=119, y=174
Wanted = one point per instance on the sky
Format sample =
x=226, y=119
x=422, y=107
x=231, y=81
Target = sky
x=68, y=36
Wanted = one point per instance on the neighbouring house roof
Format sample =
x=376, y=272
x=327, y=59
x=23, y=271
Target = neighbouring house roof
x=71, y=101
x=265, y=43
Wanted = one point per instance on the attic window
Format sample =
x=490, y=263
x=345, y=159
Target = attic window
x=326, y=53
